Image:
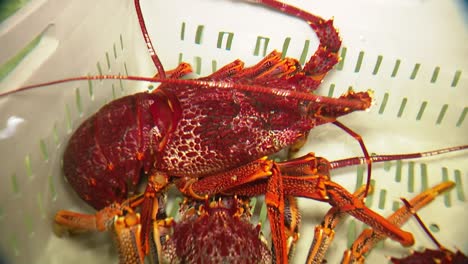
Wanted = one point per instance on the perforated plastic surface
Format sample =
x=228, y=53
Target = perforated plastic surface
x=411, y=53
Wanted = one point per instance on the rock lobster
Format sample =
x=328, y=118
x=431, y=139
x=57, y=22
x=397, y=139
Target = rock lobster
x=209, y=137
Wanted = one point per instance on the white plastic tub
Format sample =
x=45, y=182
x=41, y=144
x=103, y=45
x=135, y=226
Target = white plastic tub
x=411, y=53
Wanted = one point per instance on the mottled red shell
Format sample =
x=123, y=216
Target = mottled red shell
x=217, y=233
x=430, y=256
x=106, y=155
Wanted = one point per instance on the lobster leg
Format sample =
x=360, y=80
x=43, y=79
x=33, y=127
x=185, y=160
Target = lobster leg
x=333, y=193
x=262, y=169
x=326, y=56
x=318, y=187
x=324, y=233
x=309, y=178
x=219, y=183
x=131, y=232
x=340, y=197
x=271, y=70
x=274, y=199
x=226, y=71
x=121, y=220
x=127, y=236
x=273, y=65
x=78, y=223
x=180, y=71
x=152, y=208
x=303, y=177
x=292, y=221
x=369, y=237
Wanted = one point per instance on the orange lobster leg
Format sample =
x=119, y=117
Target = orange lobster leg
x=312, y=181
x=303, y=177
x=125, y=226
x=150, y=207
x=127, y=236
x=131, y=232
x=369, y=237
x=259, y=170
x=219, y=183
x=180, y=71
x=226, y=71
x=121, y=220
x=326, y=55
x=292, y=221
x=324, y=233
x=320, y=188
x=79, y=223
x=274, y=199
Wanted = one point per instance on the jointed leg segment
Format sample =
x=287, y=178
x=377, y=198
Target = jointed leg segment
x=303, y=177
x=370, y=237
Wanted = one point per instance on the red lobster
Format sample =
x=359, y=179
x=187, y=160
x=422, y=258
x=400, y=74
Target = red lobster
x=210, y=137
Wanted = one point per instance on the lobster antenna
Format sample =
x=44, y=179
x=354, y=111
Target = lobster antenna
x=382, y=158
x=367, y=158
x=148, y=42
x=421, y=223
x=358, y=105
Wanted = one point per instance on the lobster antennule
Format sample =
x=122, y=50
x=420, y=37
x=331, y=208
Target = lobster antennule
x=354, y=103
x=367, y=158
x=420, y=221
